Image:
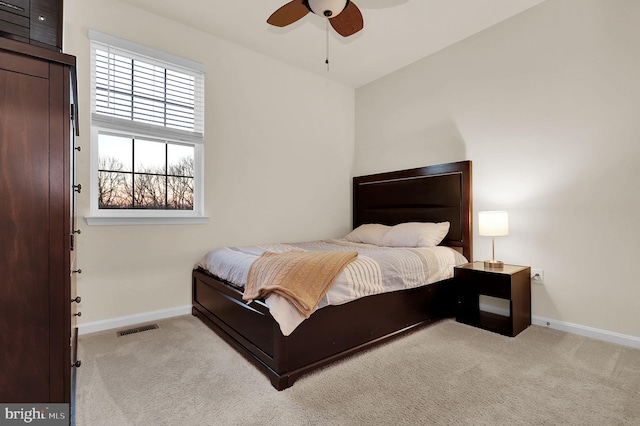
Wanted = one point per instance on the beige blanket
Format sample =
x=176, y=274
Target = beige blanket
x=302, y=277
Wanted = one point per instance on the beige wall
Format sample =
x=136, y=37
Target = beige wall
x=273, y=171
x=546, y=106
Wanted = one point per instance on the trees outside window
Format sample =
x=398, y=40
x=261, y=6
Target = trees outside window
x=162, y=176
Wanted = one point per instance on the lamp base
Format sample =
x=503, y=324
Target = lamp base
x=493, y=264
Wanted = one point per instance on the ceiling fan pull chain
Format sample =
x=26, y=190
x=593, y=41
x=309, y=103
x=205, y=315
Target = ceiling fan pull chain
x=327, y=32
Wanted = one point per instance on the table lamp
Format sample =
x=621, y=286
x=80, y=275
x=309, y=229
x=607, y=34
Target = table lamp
x=493, y=224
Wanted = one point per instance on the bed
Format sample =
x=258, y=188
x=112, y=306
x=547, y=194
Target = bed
x=440, y=193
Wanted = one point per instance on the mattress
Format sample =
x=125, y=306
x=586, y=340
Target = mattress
x=376, y=270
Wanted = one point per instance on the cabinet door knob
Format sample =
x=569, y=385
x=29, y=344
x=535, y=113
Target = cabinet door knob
x=78, y=299
x=77, y=231
x=78, y=148
x=77, y=271
x=76, y=364
x=77, y=314
x=78, y=188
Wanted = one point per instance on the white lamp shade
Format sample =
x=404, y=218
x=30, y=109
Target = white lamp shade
x=327, y=8
x=493, y=224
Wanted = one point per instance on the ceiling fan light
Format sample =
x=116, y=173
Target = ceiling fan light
x=327, y=8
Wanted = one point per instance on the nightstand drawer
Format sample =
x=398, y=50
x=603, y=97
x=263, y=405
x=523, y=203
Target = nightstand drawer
x=484, y=283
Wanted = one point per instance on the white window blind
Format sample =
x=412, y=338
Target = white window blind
x=155, y=93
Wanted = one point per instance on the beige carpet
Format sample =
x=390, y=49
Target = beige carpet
x=444, y=374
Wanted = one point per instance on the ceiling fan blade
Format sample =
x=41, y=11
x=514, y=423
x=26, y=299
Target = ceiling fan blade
x=288, y=14
x=348, y=22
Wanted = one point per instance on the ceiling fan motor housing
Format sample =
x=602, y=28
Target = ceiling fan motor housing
x=327, y=8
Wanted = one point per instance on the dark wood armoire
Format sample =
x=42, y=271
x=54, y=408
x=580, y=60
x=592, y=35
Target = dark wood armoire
x=38, y=303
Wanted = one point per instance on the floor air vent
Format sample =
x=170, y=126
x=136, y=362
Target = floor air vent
x=137, y=330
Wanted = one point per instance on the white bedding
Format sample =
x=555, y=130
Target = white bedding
x=375, y=270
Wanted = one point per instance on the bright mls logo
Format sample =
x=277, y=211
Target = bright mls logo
x=37, y=414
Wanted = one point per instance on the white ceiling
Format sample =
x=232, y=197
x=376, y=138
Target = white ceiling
x=396, y=32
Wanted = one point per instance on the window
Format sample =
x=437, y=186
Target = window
x=147, y=120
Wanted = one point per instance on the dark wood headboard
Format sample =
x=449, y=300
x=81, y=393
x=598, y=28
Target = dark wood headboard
x=427, y=194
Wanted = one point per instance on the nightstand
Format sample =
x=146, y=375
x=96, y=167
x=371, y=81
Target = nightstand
x=512, y=283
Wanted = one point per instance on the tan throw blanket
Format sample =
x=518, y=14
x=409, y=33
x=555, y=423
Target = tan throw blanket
x=302, y=277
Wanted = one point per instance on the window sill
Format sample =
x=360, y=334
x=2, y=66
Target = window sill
x=145, y=220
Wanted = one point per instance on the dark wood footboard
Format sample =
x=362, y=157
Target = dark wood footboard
x=331, y=333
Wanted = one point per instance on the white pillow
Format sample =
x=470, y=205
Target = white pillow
x=369, y=233
x=415, y=234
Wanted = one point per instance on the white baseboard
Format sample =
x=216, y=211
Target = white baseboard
x=92, y=327
x=594, y=333
x=581, y=330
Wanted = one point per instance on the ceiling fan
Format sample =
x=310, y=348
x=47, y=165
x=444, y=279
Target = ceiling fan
x=343, y=15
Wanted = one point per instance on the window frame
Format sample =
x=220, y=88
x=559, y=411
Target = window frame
x=101, y=123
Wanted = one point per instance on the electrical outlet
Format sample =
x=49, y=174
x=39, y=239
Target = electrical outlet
x=537, y=276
